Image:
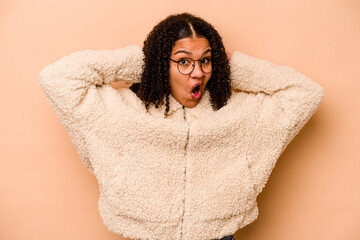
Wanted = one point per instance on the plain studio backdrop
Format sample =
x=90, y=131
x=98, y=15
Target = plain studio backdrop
x=314, y=190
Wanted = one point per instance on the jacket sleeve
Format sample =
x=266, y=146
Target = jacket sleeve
x=290, y=100
x=73, y=85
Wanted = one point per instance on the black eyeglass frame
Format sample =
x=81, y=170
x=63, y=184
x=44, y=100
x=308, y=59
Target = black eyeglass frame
x=212, y=68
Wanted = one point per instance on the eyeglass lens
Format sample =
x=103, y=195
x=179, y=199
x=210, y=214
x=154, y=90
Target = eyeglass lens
x=187, y=65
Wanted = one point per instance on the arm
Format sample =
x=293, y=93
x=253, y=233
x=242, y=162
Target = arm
x=289, y=100
x=67, y=81
x=254, y=75
x=297, y=95
x=75, y=86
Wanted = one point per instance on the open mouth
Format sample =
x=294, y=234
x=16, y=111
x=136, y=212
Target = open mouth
x=196, y=92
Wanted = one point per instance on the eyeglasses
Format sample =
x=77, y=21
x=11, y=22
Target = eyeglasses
x=187, y=65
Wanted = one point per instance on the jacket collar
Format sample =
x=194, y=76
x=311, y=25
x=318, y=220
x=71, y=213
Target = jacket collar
x=176, y=110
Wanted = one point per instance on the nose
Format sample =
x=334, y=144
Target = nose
x=197, y=72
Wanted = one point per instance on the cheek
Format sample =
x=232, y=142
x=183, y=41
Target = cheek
x=176, y=80
x=172, y=78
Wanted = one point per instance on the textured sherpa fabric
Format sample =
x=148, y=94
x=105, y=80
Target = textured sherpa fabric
x=194, y=175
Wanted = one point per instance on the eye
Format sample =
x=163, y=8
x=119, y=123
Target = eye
x=184, y=61
x=206, y=60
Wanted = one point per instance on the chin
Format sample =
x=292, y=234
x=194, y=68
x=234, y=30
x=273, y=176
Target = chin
x=190, y=104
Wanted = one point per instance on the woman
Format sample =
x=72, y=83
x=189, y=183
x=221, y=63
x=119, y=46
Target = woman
x=170, y=50
x=185, y=151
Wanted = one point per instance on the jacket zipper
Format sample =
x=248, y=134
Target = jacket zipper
x=185, y=156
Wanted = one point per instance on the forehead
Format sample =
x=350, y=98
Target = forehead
x=193, y=45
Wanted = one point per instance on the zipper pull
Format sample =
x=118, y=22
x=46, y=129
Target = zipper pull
x=184, y=112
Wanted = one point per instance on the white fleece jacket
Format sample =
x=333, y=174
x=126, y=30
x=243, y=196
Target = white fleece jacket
x=194, y=175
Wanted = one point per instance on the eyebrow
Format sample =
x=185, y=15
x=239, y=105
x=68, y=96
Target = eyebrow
x=189, y=53
x=183, y=51
x=209, y=50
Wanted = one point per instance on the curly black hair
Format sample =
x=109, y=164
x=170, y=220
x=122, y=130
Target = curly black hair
x=154, y=86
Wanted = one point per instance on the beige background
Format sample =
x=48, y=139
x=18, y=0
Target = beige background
x=314, y=191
